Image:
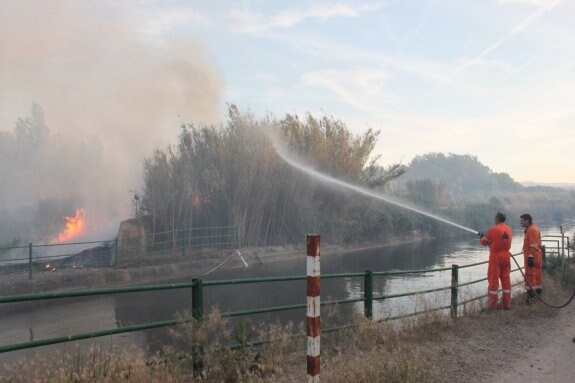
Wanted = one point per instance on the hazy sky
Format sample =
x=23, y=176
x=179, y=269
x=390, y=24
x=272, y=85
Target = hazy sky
x=495, y=79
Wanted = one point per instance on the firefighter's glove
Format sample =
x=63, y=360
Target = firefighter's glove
x=480, y=235
x=530, y=262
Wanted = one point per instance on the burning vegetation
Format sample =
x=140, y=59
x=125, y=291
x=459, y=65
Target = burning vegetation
x=75, y=226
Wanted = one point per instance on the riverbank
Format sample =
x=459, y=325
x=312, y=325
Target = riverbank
x=167, y=267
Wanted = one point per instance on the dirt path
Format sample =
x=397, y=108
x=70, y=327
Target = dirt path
x=527, y=344
x=551, y=356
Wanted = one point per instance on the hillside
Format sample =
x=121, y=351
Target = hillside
x=463, y=175
x=569, y=186
x=462, y=188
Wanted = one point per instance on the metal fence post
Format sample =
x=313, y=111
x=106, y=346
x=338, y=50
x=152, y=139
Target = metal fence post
x=562, y=240
x=197, y=314
x=454, y=288
x=184, y=245
x=116, y=251
x=30, y=255
x=313, y=308
x=198, y=298
x=368, y=294
x=543, y=254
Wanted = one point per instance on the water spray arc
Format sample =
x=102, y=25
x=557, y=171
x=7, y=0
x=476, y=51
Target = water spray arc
x=284, y=155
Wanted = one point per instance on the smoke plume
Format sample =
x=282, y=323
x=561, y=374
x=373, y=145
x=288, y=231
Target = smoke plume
x=106, y=93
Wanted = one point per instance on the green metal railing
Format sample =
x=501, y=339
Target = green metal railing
x=39, y=257
x=560, y=243
x=198, y=285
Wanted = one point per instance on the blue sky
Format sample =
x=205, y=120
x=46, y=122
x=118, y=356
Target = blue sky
x=495, y=79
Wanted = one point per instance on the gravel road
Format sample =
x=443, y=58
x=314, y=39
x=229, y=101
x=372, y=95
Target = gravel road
x=551, y=356
x=526, y=344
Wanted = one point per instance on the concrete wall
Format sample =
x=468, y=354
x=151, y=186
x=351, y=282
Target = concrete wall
x=132, y=240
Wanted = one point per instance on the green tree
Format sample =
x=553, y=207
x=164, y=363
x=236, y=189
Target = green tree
x=230, y=175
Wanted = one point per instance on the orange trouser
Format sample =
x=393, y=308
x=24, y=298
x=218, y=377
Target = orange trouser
x=534, y=275
x=499, y=268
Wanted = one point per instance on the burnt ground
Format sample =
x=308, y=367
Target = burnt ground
x=97, y=256
x=92, y=268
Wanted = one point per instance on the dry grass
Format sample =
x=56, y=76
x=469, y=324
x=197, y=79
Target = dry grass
x=94, y=365
x=370, y=352
x=376, y=352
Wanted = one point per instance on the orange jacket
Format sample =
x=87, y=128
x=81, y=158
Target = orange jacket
x=532, y=240
x=498, y=238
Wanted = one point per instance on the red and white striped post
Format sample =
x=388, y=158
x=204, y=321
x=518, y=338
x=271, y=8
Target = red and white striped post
x=313, y=309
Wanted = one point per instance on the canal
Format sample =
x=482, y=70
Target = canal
x=56, y=318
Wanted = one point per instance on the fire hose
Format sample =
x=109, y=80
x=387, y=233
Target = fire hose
x=235, y=252
x=538, y=296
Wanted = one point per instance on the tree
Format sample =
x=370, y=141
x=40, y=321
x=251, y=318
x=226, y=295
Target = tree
x=32, y=132
x=230, y=175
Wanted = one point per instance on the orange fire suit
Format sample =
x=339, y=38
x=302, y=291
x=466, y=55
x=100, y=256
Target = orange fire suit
x=498, y=238
x=532, y=249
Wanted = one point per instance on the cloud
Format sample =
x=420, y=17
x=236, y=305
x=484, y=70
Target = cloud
x=158, y=21
x=361, y=88
x=538, y=3
x=547, y=6
x=521, y=68
x=428, y=70
x=250, y=22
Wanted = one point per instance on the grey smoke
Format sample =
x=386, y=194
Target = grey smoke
x=109, y=93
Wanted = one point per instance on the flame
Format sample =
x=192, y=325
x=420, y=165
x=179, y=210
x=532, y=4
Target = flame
x=74, y=226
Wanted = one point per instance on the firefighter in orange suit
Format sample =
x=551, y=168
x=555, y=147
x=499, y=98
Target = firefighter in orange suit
x=532, y=257
x=498, y=238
